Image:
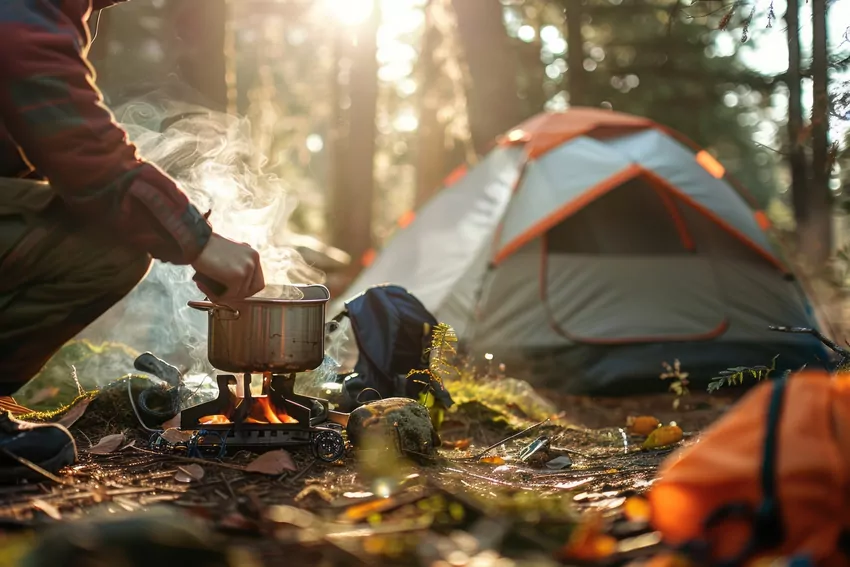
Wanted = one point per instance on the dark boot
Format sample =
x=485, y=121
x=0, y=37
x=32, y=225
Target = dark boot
x=48, y=445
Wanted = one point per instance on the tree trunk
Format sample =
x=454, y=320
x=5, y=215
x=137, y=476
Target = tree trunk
x=200, y=28
x=576, y=76
x=494, y=106
x=818, y=231
x=351, y=209
x=796, y=148
x=430, y=137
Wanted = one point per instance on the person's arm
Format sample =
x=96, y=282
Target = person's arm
x=51, y=107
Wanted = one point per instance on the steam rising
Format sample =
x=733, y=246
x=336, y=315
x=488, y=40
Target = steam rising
x=213, y=158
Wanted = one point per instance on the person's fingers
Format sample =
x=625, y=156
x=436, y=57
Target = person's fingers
x=207, y=291
x=247, y=267
x=258, y=282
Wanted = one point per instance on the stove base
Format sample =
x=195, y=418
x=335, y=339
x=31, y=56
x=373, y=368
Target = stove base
x=317, y=426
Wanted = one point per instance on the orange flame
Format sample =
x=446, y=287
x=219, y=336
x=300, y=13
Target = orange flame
x=262, y=412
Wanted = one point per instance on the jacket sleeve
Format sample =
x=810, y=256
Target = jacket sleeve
x=54, y=112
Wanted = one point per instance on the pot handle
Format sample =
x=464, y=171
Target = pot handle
x=212, y=307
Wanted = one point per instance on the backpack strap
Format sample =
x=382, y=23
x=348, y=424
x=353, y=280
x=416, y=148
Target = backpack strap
x=766, y=519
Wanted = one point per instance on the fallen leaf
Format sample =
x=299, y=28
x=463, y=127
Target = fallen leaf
x=176, y=435
x=642, y=424
x=495, y=460
x=172, y=423
x=637, y=509
x=47, y=508
x=189, y=473
x=75, y=413
x=663, y=436
x=273, y=462
x=108, y=444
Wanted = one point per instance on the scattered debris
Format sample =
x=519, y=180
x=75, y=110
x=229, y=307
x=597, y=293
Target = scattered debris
x=47, y=508
x=559, y=463
x=536, y=451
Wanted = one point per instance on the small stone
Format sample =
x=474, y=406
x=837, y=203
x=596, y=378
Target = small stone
x=403, y=423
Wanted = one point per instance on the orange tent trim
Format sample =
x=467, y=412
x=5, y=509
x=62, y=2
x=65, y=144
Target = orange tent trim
x=608, y=185
x=548, y=130
x=368, y=257
x=710, y=164
x=719, y=222
x=405, y=219
x=456, y=175
x=567, y=210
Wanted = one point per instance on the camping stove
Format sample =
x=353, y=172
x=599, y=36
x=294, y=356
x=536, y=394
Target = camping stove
x=277, y=417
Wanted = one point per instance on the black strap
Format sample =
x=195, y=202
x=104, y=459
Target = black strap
x=768, y=529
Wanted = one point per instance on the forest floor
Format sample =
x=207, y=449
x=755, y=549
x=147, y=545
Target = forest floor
x=452, y=510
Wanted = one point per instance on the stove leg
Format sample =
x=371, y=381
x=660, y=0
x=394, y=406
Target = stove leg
x=305, y=409
x=244, y=409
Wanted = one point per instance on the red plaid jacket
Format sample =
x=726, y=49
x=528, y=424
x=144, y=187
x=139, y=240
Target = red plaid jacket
x=53, y=123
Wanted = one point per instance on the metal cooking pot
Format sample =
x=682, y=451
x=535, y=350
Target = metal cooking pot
x=267, y=335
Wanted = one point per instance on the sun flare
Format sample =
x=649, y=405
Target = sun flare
x=350, y=12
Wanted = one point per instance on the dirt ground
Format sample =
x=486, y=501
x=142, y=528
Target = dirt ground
x=416, y=514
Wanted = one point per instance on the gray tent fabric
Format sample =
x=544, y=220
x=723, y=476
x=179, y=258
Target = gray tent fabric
x=584, y=255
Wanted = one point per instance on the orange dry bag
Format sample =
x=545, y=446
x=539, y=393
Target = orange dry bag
x=768, y=479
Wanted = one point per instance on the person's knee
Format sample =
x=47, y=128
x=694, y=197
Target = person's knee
x=118, y=271
x=130, y=271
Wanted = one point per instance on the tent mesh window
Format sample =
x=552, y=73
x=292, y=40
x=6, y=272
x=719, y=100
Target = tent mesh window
x=629, y=220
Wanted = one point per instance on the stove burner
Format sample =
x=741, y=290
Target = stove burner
x=250, y=421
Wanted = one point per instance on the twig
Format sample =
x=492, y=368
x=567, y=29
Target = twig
x=228, y=486
x=303, y=471
x=35, y=467
x=815, y=333
x=194, y=460
x=511, y=438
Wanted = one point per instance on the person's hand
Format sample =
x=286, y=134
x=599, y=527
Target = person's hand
x=234, y=265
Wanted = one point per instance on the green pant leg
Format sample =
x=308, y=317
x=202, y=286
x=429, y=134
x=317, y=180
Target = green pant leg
x=57, y=276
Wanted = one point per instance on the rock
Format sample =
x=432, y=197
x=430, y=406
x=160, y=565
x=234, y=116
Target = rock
x=399, y=421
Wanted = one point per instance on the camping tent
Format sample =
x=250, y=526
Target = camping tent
x=590, y=246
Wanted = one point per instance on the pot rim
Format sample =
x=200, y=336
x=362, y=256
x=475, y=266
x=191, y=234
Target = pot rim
x=262, y=301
